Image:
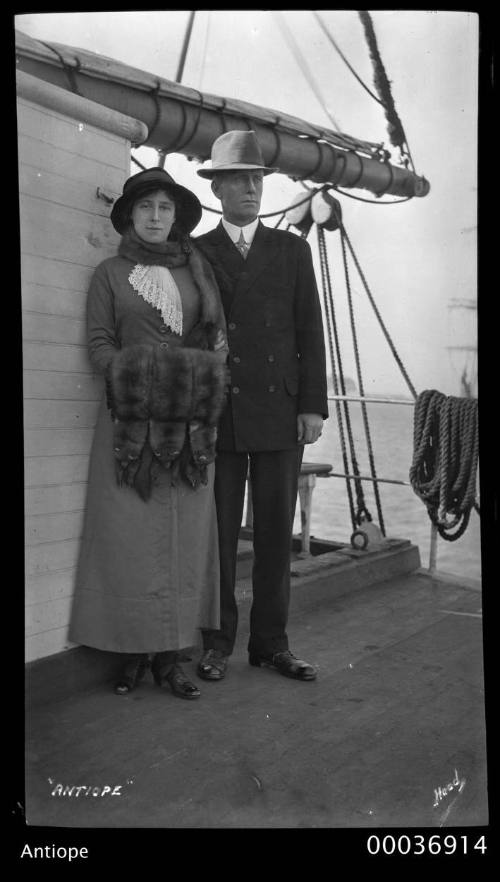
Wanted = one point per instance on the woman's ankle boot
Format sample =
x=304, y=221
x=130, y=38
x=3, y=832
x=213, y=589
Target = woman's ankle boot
x=132, y=673
x=167, y=671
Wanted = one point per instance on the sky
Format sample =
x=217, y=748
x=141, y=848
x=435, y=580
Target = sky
x=418, y=257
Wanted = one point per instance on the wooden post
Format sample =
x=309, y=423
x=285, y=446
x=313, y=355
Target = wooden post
x=433, y=549
x=307, y=484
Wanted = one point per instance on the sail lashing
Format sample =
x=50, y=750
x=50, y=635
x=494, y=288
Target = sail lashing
x=184, y=120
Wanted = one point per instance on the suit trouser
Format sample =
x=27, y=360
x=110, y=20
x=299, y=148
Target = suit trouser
x=274, y=482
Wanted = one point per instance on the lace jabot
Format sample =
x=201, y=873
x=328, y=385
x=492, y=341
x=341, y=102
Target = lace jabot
x=156, y=285
x=151, y=277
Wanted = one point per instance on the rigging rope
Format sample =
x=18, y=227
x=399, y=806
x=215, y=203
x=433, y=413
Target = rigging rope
x=370, y=201
x=336, y=358
x=445, y=459
x=364, y=411
x=304, y=67
x=141, y=166
x=377, y=313
x=283, y=211
x=340, y=421
x=204, y=53
x=344, y=59
x=394, y=125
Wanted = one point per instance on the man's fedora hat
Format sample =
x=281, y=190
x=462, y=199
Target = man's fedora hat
x=236, y=150
x=188, y=208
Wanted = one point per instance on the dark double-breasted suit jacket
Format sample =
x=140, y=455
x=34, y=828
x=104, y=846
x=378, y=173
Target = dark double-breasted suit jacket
x=275, y=336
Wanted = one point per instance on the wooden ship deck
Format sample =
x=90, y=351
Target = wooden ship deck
x=395, y=716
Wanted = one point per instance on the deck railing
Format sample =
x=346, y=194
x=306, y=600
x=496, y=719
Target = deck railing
x=407, y=403
x=379, y=400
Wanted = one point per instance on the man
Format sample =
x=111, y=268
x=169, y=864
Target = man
x=277, y=400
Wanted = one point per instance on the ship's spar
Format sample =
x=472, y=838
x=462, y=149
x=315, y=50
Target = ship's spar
x=180, y=119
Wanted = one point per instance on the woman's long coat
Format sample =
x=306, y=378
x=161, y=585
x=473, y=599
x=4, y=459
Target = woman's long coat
x=148, y=574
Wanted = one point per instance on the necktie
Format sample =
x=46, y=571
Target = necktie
x=242, y=246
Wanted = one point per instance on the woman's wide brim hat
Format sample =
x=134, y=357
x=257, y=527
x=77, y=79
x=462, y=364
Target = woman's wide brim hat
x=235, y=151
x=188, y=208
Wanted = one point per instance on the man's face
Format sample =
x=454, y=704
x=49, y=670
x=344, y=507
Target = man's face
x=240, y=193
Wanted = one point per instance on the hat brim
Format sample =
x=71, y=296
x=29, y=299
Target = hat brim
x=188, y=206
x=235, y=166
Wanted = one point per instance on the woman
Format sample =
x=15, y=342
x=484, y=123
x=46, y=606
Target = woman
x=148, y=574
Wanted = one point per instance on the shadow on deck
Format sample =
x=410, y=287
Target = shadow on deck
x=395, y=717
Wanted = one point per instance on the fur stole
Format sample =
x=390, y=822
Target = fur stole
x=165, y=407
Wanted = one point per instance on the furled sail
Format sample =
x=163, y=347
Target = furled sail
x=183, y=120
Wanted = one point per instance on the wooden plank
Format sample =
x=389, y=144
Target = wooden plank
x=43, y=356
x=48, y=643
x=56, y=442
x=55, y=384
x=60, y=414
x=48, y=500
x=50, y=300
x=65, y=233
x=41, y=617
x=47, y=271
x=63, y=134
x=49, y=586
x=41, y=471
x=51, y=556
x=55, y=188
x=82, y=168
x=53, y=328
x=54, y=527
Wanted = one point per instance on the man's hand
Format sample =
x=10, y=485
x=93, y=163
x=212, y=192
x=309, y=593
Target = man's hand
x=309, y=427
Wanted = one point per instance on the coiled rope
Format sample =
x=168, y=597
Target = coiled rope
x=445, y=459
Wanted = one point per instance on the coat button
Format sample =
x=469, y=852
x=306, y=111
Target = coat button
x=272, y=388
x=236, y=359
x=232, y=326
x=163, y=329
x=163, y=345
x=236, y=389
x=270, y=357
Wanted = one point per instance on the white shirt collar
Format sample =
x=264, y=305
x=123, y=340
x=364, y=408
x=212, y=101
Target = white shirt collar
x=234, y=231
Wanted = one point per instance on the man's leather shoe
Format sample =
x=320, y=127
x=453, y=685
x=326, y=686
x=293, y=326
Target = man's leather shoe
x=285, y=663
x=212, y=665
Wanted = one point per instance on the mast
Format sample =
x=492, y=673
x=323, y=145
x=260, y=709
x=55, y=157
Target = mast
x=185, y=46
x=183, y=120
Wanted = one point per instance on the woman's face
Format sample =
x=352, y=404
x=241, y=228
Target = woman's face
x=153, y=216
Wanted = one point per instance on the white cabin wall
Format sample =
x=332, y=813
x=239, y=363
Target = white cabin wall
x=65, y=233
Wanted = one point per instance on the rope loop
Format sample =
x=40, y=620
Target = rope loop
x=68, y=69
x=445, y=460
